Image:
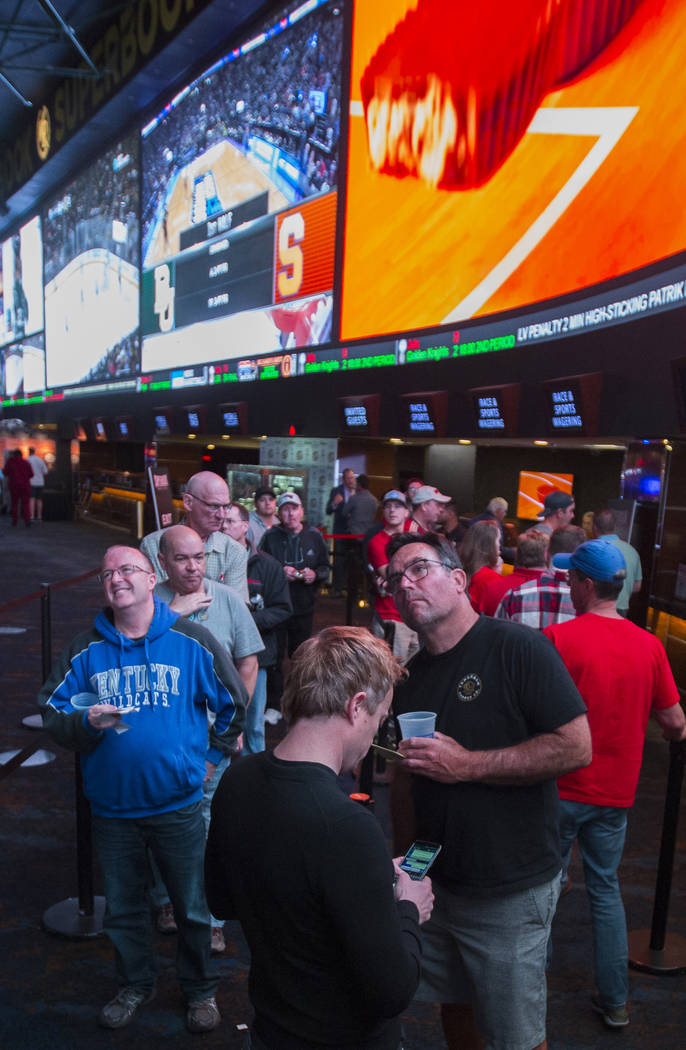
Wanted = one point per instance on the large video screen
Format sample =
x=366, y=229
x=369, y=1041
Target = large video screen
x=240, y=176
x=92, y=286
x=502, y=154
x=21, y=283
x=22, y=367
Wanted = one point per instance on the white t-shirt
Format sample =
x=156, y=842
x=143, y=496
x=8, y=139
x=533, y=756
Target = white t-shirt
x=39, y=468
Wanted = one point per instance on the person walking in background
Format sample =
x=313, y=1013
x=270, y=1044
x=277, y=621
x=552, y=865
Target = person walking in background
x=623, y=676
x=18, y=472
x=40, y=470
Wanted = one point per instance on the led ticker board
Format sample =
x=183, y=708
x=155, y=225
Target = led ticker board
x=573, y=404
x=240, y=177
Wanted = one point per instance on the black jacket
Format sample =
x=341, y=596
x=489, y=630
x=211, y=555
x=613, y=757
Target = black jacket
x=305, y=550
x=270, y=601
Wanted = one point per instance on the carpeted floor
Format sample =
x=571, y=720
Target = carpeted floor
x=52, y=987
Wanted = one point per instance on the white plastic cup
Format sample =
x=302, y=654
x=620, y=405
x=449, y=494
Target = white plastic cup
x=417, y=723
x=80, y=700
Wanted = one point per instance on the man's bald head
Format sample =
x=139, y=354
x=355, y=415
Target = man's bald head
x=182, y=556
x=205, y=502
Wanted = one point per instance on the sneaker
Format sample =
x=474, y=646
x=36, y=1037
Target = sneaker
x=217, y=944
x=166, y=923
x=272, y=716
x=202, y=1015
x=613, y=1016
x=121, y=1010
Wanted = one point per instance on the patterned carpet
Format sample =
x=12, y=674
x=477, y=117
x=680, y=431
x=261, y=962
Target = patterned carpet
x=53, y=987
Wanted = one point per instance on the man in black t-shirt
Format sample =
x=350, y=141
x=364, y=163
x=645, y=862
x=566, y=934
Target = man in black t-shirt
x=509, y=721
x=335, y=947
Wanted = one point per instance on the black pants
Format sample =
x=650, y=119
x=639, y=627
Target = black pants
x=289, y=635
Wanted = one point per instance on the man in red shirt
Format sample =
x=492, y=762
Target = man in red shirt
x=388, y=623
x=623, y=676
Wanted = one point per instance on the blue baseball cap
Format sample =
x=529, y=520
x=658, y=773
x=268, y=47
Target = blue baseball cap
x=599, y=559
x=399, y=497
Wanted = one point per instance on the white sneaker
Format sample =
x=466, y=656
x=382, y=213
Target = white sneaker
x=272, y=716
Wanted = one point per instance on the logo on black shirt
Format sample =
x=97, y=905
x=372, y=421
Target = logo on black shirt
x=469, y=687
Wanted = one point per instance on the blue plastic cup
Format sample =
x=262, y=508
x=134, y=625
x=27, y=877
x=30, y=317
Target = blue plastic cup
x=417, y=723
x=84, y=699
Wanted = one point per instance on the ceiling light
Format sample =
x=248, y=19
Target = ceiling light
x=540, y=442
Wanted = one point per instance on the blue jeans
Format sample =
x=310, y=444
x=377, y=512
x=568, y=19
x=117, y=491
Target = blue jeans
x=253, y=734
x=177, y=842
x=600, y=832
x=158, y=891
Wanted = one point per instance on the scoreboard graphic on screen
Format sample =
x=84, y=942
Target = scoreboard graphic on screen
x=240, y=260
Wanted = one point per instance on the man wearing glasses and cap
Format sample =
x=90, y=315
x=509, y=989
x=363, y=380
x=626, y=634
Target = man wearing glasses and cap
x=205, y=503
x=623, y=676
x=143, y=775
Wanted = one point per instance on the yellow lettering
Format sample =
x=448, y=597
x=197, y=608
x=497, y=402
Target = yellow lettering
x=146, y=37
x=128, y=42
x=169, y=14
x=291, y=233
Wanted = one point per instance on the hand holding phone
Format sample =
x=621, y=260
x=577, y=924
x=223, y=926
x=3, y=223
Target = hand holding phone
x=420, y=892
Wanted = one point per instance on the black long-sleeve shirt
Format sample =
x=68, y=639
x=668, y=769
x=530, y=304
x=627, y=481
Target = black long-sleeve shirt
x=334, y=958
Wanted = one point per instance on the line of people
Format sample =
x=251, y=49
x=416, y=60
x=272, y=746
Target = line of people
x=341, y=939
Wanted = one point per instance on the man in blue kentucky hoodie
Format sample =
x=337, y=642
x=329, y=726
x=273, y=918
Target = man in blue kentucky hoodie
x=143, y=775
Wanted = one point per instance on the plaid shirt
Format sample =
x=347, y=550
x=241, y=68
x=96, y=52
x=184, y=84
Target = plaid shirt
x=538, y=603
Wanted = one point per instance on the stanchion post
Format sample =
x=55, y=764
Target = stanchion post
x=46, y=630
x=648, y=950
x=84, y=845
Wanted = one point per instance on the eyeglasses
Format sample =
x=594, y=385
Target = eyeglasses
x=415, y=571
x=216, y=508
x=124, y=571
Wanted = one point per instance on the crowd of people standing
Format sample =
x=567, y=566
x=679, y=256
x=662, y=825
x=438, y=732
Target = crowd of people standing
x=541, y=689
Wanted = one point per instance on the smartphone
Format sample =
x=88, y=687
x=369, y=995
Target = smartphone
x=386, y=752
x=419, y=858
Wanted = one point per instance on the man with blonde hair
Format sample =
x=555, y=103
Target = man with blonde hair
x=334, y=945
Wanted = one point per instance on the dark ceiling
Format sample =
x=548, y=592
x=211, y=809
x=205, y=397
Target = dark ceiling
x=44, y=41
